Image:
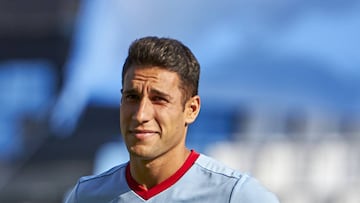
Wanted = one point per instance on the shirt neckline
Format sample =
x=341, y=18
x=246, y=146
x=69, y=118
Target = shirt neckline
x=147, y=194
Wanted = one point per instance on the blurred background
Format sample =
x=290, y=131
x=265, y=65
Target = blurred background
x=280, y=92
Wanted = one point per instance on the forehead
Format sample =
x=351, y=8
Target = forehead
x=151, y=75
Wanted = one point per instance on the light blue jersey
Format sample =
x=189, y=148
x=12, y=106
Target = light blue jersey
x=201, y=179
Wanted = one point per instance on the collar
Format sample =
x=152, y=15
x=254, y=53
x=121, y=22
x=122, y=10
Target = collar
x=147, y=194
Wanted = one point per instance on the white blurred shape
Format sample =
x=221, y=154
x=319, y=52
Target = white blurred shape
x=327, y=167
x=110, y=155
x=277, y=165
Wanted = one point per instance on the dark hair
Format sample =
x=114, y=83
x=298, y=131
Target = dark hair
x=169, y=54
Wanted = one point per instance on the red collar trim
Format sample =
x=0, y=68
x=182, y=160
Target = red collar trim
x=147, y=194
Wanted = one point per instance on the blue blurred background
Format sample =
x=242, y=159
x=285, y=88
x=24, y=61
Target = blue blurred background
x=280, y=88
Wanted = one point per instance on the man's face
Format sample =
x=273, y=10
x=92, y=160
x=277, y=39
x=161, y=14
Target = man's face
x=152, y=115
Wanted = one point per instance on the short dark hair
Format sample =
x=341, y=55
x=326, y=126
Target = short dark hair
x=169, y=54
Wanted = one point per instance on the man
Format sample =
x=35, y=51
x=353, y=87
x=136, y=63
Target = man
x=159, y=101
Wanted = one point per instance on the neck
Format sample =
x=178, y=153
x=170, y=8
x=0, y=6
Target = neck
x=149, y=173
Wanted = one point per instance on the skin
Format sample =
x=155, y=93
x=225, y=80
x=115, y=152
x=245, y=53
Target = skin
x=154, y=123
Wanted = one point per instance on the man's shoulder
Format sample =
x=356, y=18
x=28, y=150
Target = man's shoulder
x=114, y=174
x=213, y=166
x=244, y=186
x=100, y=188
x=106, y=185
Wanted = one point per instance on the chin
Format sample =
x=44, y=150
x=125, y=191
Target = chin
x=146, y=154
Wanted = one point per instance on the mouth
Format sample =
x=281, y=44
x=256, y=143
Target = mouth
x=143, y=134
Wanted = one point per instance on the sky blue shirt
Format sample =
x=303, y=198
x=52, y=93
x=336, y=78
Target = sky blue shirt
x=200, y=179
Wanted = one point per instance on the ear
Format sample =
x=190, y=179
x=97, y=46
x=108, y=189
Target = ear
x=192, y=109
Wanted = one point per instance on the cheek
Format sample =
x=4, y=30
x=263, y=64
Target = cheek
x=124, y=113
x=173, y=121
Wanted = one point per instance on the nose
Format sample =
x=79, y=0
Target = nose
x=144, y=112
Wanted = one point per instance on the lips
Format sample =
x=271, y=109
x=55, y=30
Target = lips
x=143, y=134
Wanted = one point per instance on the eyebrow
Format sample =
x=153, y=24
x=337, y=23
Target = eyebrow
x=152, y=91
x=129, y=91
x=160, y=93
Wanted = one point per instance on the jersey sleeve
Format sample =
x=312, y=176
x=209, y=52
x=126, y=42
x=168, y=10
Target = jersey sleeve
x=249, y=190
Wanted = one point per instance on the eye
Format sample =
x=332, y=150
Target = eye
x=131, y=97
x=158, y=99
